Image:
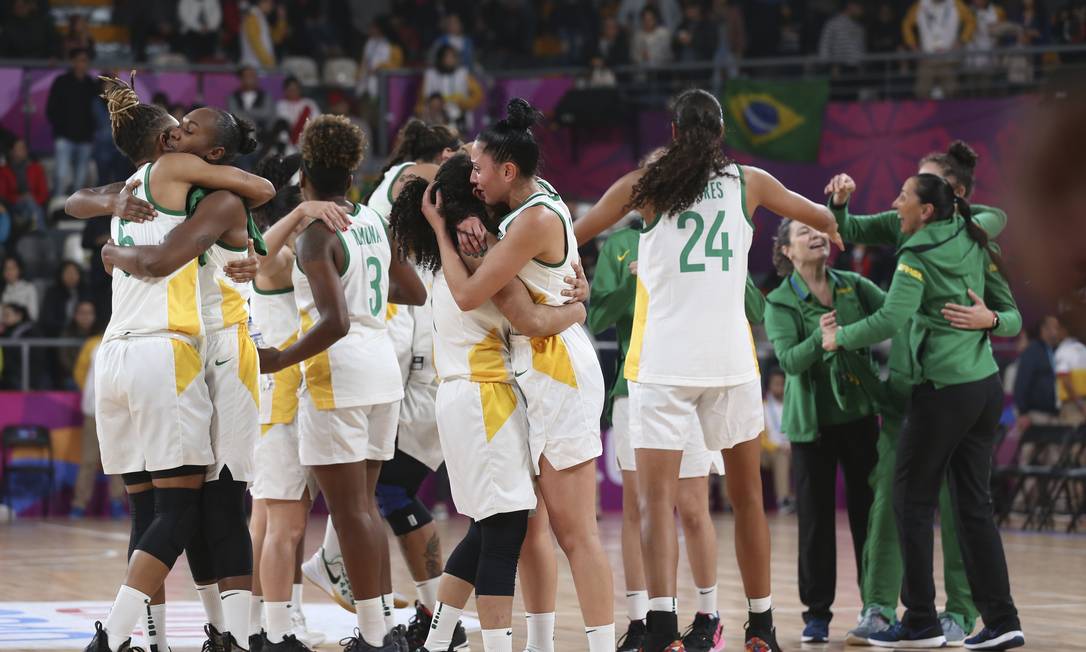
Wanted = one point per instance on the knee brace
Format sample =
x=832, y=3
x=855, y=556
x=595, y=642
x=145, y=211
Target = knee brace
x=502, y=537
x=176, y=514
x=404, y=513
x=143, y=514
x=463, y=562
x=226, y=531
x=201, y=563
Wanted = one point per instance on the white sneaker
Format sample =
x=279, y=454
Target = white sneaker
x=331, y=577
x=301, y=630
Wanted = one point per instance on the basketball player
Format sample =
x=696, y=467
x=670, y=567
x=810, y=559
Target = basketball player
x=158, y=437
x=559, y=375
x=482, y=424
x=347, y=419
x=692, y=359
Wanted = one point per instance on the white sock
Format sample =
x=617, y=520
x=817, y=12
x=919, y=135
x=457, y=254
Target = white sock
x=637, y=605
x=331, y=542
x=388, y=602
x=235, y=611
x=278, y=620
x=497, y=640
x=154, y=626
x=256, y=610
x=428, y=592
x=759, y=605
x=127, y=610
x=541, y=632
x=601, y=638
x=296, y=596
x=371, y=620
x=209, y=597
x=707, y=600
x=664, y=604
x=442, y=627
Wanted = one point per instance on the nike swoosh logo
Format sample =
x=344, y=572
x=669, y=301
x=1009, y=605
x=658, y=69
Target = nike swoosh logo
x=623, y=256
x=518, y=374
x=589, y=631
x=332, y=576
x=706, y=592
x=219, y=363
x=229, y=595
x=630, y=595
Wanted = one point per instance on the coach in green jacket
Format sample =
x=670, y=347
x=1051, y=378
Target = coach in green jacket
x=828, y=415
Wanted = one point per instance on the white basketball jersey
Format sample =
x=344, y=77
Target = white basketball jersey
x=224, y=303
x=275, y=317
x=149, y=306
x=690, y=327
x=381, y=199
x=471, y=345
x=360, y=368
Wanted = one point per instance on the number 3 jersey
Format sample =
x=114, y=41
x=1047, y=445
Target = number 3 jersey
x=690, y=327
x=360, y=368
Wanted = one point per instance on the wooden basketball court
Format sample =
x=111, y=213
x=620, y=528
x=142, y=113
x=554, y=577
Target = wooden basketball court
x=63, y=561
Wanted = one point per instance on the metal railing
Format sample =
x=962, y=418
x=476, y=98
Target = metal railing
x=24, y=346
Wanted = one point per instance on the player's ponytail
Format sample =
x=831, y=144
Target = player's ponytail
x=510, y=139
x=674, y=181
x=237, y=136
x=957, y=164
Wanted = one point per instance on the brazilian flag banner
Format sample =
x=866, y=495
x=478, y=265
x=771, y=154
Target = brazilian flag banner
x=776, y=120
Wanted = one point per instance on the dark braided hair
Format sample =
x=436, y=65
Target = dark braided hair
x=237, y=136
x=510, y=139
x=136, y=127
x=674, y=182
x=279, y=170
x=958, y=164
x=418, y=141
x=937, y=191
x=409, y=227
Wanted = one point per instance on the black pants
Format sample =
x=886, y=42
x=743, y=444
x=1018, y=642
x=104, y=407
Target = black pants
x=852, y=446
x=949, y=433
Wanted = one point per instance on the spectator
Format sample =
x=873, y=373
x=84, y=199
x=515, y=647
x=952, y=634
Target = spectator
x=884, y=35
x=90, y=460
x=1035, y=379
x=110, y=164
x=1070, y=364
x=15, y=323
x=150, y=20
x=629, y=13
x=82, y=324
x=259, y=37
x=382, y=51
x=200, y=23
x=599, y=75
x=935, y=27
x=61, y=299
x=652, y=41
x=24, y=189
x=843, y=40
x=459, y=88
x=696, y=38
x=5, y=228
x=250, y=101
x=70, y=110
x=776, y=449
x=311, y=34
x=433, y=111
x=18, y=290
x=78, y=36
x=989, y=19
x=295, y=109
x=453, y=35
x=789, y=32
x=1032, y=21
x=96, y=233
x=1069, y=27
x=613, y=45
x=29, y=32
x=732, y=37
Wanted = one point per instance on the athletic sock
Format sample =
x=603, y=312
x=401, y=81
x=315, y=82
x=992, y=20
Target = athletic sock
x=235, y=611
x=209, y=597
x=637, y=604
x=278, y=620
x=127, y=610
x=601, y=638
x=496, y=640
x=760, y=617
x=154, y=627
x=296, y=596
x=442, y=626
x=331, y=542
x=256, y=611
x=371, y=620
x=540, y=632
x=427, y=591
x=759, y=605
x=662, y=625
x=388, y=604
x=666, y=604
x=707, y=600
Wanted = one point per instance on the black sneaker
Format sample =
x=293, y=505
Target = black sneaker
x=100, y=642
x=1002, y=637
x=760, y=634
x=358, y=644
x=289, y=644
x=705, y=634
x=256, y=641
x=215, y=641
x=419, y=627
x=902, y=636
x=634, y=637
x=398, y=637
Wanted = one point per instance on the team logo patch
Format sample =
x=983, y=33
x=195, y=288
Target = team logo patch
x=911, y=271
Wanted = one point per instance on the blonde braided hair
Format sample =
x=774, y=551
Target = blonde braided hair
x=136, y=126
x=120, y=98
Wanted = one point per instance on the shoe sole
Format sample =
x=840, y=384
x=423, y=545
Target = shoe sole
x=1005, y=642
x=813, y=639
x=920, y=644
x=856, y=639
x=313, y=572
